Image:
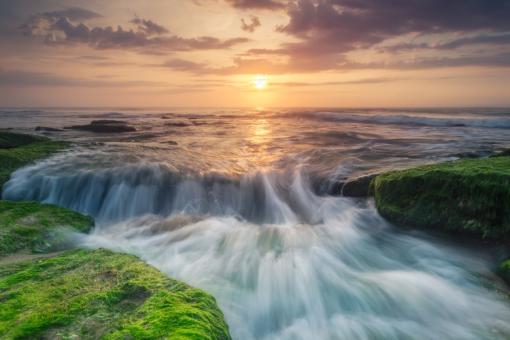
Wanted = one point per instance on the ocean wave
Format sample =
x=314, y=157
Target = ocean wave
x=349, y=277
x=118, y=193
x=402, y=119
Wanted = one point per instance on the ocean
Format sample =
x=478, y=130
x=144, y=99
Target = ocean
x=243, y=204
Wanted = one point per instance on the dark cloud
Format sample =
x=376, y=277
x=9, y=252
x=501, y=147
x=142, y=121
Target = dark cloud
x=482, y=39
x=146, y=37
x=373, y=20
x=251, y=25
x=185, y=66
x=257, y=4
x=149, y=27
x=491, y=60
x=328, y=29
x=75, y=13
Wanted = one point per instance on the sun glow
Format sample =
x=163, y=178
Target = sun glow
x=260, y=81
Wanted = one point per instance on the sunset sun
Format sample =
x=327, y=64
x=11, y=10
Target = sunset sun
x=260, y=81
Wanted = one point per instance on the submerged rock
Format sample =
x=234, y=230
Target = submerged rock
x=358, y=187
x=101, y=294
x=17, y=150
x=178, y=124
x=47, y=129
x=104, y=126
x=468, y=197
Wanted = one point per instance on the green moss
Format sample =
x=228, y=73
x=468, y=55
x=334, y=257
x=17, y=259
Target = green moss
x=504, y=270
x=35, y=227
x=12, y=140
x=470, y=197
x=17, y=150
x=100, y=294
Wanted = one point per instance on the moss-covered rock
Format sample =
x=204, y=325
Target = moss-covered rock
x=504, y=270
x=17, y=150
x=34, y=227
x=99, y=294
x=12, y=140
x=469, y=197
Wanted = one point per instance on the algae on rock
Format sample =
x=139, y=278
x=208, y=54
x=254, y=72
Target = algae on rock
x=469, y=197
x=101, y=294
x=17, y=150
x=35, y=227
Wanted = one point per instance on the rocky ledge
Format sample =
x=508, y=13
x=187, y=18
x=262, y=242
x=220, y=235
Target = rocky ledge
x=49, y=291
x=469, y=197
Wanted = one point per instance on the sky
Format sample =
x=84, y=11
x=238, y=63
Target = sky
x=255, y=53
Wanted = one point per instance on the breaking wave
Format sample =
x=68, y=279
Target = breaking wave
x=413, y=120
x=282, y=261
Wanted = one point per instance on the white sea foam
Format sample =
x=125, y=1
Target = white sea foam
x=282, y=262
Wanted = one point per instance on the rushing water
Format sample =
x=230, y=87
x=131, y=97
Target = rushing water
x=236, y=202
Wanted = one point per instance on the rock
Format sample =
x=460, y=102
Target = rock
x=34, y=227
x=104, y=126
x=10, y=140
x=358, y=187
x=468, y=197
x=504, y=270
x=47, y=129
x=108, y=122
x=503, y=153
x=102, y=295
x=177, y=124
x=17, y=150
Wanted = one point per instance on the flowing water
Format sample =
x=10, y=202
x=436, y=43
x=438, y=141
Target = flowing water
x=240, y=203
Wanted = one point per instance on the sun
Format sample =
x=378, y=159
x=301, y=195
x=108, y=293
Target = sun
x=260, y=81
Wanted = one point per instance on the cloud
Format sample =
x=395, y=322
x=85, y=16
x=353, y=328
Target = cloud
x=21, y=78
x=337, y=83
x=239, y=66
x=492, y=60
x=250, y=26
x=147, y=36
x=327, y=30
x=75, y=13
x=482, y=39
x=149, y=27
x=257, y=4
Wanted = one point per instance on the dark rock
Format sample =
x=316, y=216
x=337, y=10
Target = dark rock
x=358, y=187
x=502, y=153
x=469, y=154
x=177, y=124
x=47, y=129
x=108, y=122
x=12, y=140
x=104, y=126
